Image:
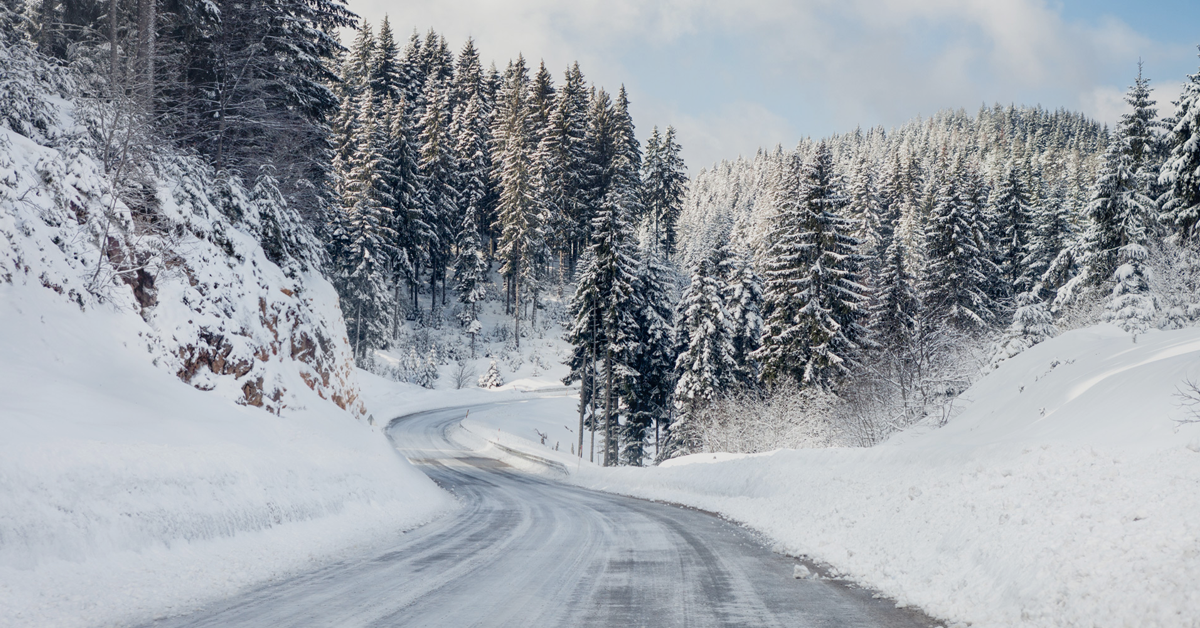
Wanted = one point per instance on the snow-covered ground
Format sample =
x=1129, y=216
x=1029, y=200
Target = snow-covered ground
x=1065, y=493
x=126, y=494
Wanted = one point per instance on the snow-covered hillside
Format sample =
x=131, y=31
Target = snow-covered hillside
x=178, y=413
x=1063, y=494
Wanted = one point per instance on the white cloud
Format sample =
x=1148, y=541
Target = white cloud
x=820, y=66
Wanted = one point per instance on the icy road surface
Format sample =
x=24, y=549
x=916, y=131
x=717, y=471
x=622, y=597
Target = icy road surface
x=528, y=551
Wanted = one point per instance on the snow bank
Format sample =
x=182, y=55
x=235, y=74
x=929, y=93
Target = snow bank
x=125, y=493
x=1063, y=494
x=178, y=414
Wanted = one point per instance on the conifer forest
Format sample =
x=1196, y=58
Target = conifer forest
x=864, y=279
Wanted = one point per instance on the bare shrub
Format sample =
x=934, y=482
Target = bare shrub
x=751, y=422
x=463, y=375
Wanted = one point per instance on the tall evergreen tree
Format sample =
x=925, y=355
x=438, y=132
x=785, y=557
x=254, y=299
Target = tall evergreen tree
x=363, y=235
x=648, y=397
x=665, y=185
x=438, y=168
x=955, y=281
x=1180, y=177
x=742, y=292
x=705, y=368
x=1013, y=211
x=814, y=301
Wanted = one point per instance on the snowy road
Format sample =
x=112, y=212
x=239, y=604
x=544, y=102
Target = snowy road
x=527, y=551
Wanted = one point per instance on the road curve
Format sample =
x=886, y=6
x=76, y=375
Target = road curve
x=527, y=551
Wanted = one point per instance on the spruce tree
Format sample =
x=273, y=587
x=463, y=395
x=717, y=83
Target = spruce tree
x=1180, y=176
x=1032, y=324
x=648, y=397
x=664, y=187
x=1013, y=212
x=517, y=212
x=364, y=235
x=1132, y=306
x=438, y=169
x=954, y=284
x=814, y=301
x=705, y=368
x=385, y=74
x=742, y=292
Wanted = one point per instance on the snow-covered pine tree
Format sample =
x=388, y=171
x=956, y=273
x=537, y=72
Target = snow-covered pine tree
x=1032, y=324
x=1013, y=212
x=954, y=282
x=491, y=378
x=286, y=238
x=1117, y=213
x=814, y=303
x=742, y=293
x=705, y=367
x=896, y=306
x=584, y=335
x=402, y=178
x=385, y=74
x=1051, y=232
x=1133, y=306
x=517, y=213
x=428, y=374
x=664, y=187
x=1180, y=176
x=571, y=107
x=863, y=209
x=364, y=237
x=648, y=397
x=438, y=169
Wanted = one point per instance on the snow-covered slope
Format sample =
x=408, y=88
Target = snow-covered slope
x=1065, y=493
x=178, y=413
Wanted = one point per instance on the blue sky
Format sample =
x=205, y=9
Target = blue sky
x=734, y=76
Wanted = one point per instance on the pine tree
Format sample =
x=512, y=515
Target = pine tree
x=518, y=212
x=1133, y=306
x=649, y=394
x=1032, y=324
x=385, y=72
x=705, y=368
x=742, y=293
x=1117, y=214
x=492, y=378
x=863, y=208
x=428, y=375
x=1180, y=177
x=814, y=302
x=408, y=224
x=286, y=238
x=954, y=284
x=1052, y=232
x=896, y=307
x=1013, y=211
x=363, y=235
x=664, y=188
x=438, y=169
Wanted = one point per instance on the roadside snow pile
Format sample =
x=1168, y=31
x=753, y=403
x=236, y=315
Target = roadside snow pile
x=1064, y=494
x=178, y=411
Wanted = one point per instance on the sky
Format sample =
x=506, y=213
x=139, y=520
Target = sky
x=735, y=75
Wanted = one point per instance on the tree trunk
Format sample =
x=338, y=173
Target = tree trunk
x=147, y=24
x=583, y=384
x=516, y=311
x=357, y=330
x=608, y=401
x=396, y=317
x=114, y=59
